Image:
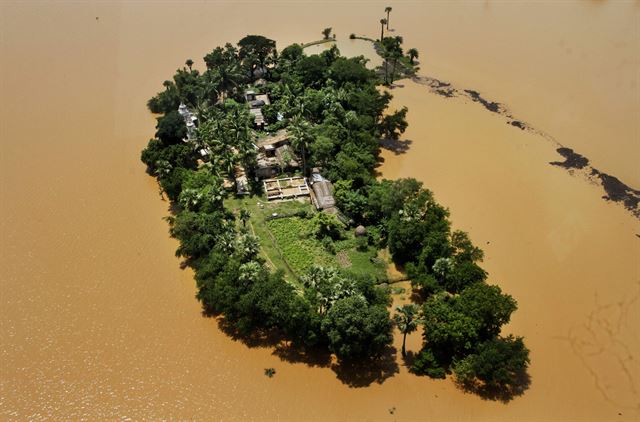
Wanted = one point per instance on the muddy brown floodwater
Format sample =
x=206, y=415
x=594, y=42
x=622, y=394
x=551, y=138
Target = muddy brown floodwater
x=97, y=319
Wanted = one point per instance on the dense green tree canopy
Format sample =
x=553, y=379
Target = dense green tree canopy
x=312, y=70
x=254, y=51
x=447, y=329
x=487, y=305
x=497, y=363
x=355, y=329
x=345, y=70
x=171, y=128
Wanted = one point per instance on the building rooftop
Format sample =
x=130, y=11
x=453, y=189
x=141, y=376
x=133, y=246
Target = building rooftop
x=281, y=137
x=323, y=194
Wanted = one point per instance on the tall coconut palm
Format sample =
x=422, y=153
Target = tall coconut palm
x=407, y=320
x=383, y=22
x=227, y=79
x=413, y=54
x=388, y=10
x=301, y=138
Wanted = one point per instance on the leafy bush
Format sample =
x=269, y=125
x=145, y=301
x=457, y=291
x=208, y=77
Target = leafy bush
x=328, y=245
x=427, y=364
x=356, y=329
x=361, y=244
x=497, y=363
x=327, y=225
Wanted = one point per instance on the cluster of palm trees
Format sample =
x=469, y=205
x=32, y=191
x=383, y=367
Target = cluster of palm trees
x=393, y=51
x=324, y=286
x=385, y=22
x=227, y=135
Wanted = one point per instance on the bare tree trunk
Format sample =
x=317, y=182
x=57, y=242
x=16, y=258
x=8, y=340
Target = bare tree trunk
x=393, y=70
x=404, y=342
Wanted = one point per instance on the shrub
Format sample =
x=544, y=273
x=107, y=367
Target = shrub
x=497, y=363
x=327, y=225
x=427, y=364
x=361, y=244
x=328, y=245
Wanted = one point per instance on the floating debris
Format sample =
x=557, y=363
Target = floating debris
x=489, y=105
x=616, y=190
x=572, y=160
x=619, y=192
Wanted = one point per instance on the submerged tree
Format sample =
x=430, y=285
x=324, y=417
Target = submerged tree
x=497, y=364
x=413, y=54
x=388, y=9
x=383, y=22
x=392, y=53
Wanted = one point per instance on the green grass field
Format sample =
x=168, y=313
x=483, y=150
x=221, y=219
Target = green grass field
x=288, y=243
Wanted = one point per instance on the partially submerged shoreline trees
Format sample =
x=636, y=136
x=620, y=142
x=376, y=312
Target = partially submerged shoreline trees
x=336, y=115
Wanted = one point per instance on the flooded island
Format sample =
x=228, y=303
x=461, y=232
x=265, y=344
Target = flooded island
x=269, y=159
x=359, y=195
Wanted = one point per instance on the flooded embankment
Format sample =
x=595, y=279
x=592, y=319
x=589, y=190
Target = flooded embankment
x=98, y=321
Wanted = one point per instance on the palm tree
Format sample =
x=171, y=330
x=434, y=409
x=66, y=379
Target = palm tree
x=395, y=56
x=407, y=320
x=383, y=22
x=189, y=63
x=228, y=79
x=442, y=268
x=301, y=138
x=388, y=10
x=413, y=54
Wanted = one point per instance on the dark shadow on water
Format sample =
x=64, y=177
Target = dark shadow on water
x=255, y=338
x=354, y=374
x=365, y=372
x=409, y=359
x=282, y=347
x=502, y=394
x=293, y=353
x=397, y=146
